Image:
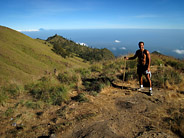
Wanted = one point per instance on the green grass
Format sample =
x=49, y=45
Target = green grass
x=166, y=75
x=9, y=91
x=3, y=96
x=48, y=91
x=32, y=104
x=23, y=59
x=9, y=112
x=81, y=98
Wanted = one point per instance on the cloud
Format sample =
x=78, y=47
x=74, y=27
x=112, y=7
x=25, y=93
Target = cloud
x=82, y=44
x=33, y=30
x=117, y=41
x=113, y=48
x=179, y=51
x=123, y=48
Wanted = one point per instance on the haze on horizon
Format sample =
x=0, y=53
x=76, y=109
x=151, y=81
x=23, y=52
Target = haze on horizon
x=31, y=15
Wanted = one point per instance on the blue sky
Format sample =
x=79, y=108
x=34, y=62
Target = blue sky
x=92, y=14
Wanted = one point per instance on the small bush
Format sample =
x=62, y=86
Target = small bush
x=85, y=73
x=96, y=68
x=67, y=78
x=96, y=85
x=163, y=76
x=112, y=67
x=12, y=90
x=48, y=92
x=58, y=95
x=176, y=64
x=157, y=62
x=33, y=105
x=9, y=112
x=93, y=93
x=80, y=97
x=3, y=96
x=131, y=64
x=130, y=75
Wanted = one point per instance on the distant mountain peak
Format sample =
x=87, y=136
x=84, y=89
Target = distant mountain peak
x=41, y=29
x=156, y=52
x=56, y=36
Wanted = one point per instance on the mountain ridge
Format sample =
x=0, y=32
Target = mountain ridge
x=67, y=48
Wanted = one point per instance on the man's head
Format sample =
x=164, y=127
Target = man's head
x=141, y=45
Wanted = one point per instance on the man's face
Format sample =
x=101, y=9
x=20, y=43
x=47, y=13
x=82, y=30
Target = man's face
x=141, y=46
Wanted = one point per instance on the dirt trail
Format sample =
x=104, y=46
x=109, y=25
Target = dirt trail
x=120, y=113
x=113, y=113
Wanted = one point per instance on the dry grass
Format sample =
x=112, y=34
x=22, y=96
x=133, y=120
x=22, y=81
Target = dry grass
x=20, y=54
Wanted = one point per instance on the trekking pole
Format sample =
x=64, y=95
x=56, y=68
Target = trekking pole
x=124, y=71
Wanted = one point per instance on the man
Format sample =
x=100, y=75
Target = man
x=143, y=66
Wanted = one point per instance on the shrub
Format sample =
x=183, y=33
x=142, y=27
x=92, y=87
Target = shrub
x=176, y=64
x=157, y=61
x=166, y=75
x=85, y=73
x=33, y=105
x=67, y=78
x=80, y=97
x=131, y=64
x=96, y=85
x=114, y=66
x=96, y=68
x=61, y=51
x=12, y=89
x=3, y=96
x=9, y=112
x=48, y=92
x=58, y=95
x=130, y=75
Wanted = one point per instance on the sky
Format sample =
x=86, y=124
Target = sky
x=31, y=15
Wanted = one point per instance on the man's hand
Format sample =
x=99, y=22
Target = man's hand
x=148, y=69
x=126, y=58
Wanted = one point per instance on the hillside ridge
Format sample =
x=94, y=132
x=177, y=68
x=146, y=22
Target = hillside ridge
x=68, y=48
x=20, y=54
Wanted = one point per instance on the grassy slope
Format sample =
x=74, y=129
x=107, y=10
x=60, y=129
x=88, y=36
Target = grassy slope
x=141, y=116
x=23, y=59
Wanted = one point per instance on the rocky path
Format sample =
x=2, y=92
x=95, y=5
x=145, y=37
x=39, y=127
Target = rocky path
x=124, y=113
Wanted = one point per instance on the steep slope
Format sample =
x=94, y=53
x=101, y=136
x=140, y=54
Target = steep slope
x=23, y=59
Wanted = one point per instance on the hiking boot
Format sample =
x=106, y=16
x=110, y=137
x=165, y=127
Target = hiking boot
x=140, y=89
x=150, y=92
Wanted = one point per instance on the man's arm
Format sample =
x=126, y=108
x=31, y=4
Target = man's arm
x=134, y=57
x=148, y=60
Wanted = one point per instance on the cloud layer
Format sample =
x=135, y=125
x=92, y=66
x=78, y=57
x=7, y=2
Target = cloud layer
x=33, y=30
x=83, y=44
x=123, y=48
x=179, y=51
x=117, y=41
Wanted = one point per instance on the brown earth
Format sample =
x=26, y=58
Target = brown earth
x=114, y=113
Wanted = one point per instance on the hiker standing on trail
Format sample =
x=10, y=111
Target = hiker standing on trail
x=143, y=66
